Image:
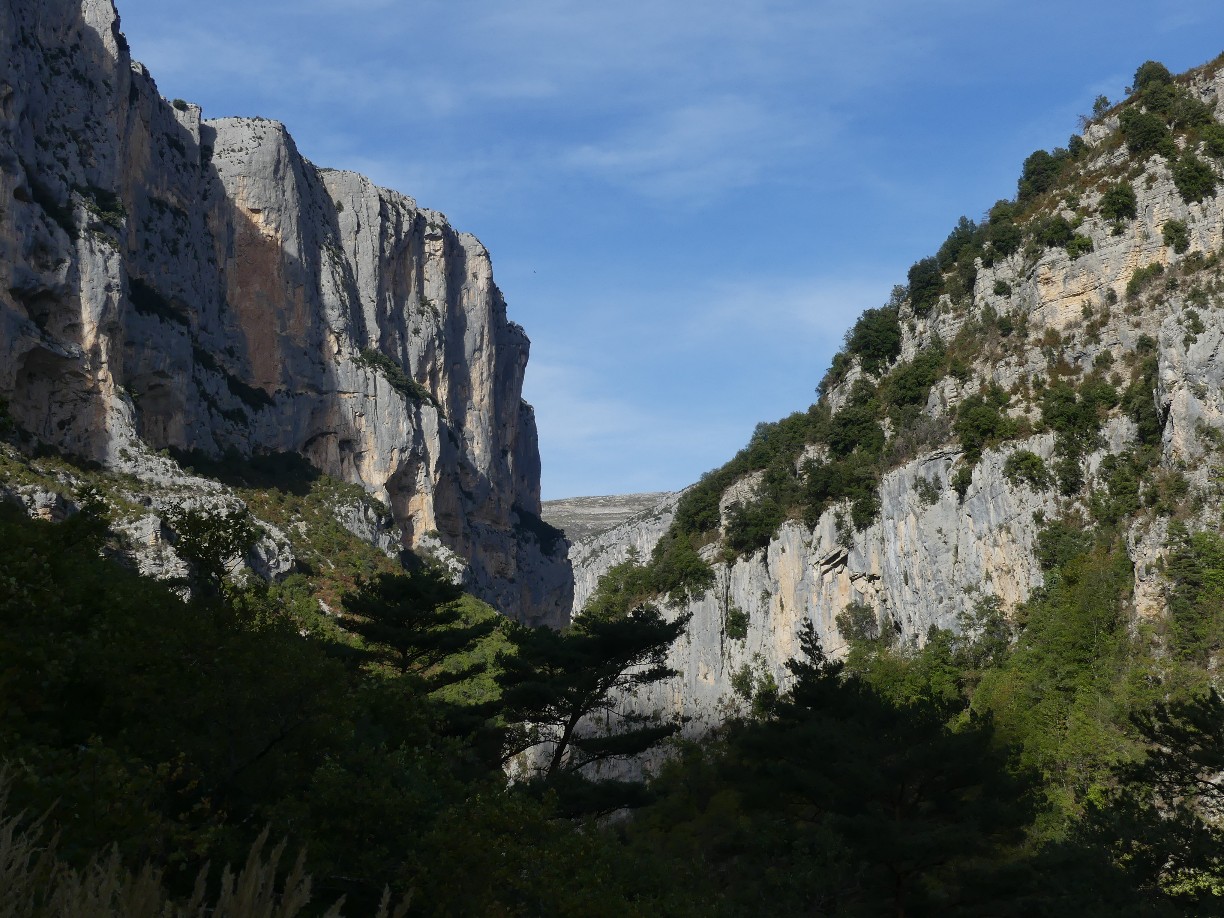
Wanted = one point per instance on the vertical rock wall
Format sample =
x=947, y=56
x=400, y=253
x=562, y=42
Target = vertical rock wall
x=173, y=282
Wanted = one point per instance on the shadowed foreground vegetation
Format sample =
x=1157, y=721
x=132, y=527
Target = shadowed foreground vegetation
x=1053, y=763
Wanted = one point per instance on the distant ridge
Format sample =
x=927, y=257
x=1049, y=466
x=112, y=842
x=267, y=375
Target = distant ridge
x=583, y=517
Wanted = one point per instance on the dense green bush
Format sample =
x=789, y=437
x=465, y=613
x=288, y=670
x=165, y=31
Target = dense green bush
x=737, y=624
x=856, y=429
x=1176, y=236
x=909, y=384
x=1041, y=173
x=1119, y=203
x=1139, y=399
x=925, y=285
x=1195, y=179
x=1212, y=136
x=749, y=528
x=676, y=569
x=961, y=481
x=1078, y=245
x=1026, y=466
x=980, y=422
x=1053, y=232
x=1075, y=416
x=1119, y=498
x=875, y=338
x=826, y=483
x=394, y=374
x=1003, y=235
x=1151, y=74
x=1146, y=133
x=1195, y=569
x=965, y=237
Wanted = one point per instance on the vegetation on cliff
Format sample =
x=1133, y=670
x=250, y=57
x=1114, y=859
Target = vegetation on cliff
x=898, y=387
x=1058, y=762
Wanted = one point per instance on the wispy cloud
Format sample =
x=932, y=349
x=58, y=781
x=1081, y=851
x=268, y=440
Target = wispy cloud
x=698, y=151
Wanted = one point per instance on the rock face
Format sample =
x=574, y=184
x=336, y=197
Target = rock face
x=932, y=555
x=173, y=282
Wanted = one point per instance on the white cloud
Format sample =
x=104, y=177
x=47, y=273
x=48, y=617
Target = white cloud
x=700, y=150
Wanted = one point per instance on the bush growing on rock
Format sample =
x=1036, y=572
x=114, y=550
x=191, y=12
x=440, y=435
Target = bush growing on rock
x=1118, y=203
x=925, y=285
x=1195, y=179
x=1026, y=466
x=1176, y=236
x=980, y=422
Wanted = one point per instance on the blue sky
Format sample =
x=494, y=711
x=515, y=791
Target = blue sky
x=687, y=203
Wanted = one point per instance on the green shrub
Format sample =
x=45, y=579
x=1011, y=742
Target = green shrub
x=875, y=338
x=1078, y=245
x=1075, y=417
x=1212, y=136
x=927, y=491
x=1002, y=233
x=965, y=237
x=677, y=569
x=858, y=623
x=1139, y=400
x=1176, y=236
x=1026, y=466
x=1150, y=74
x=1195, y=569
x=1058, y=541
x=1053, y=232
x=749, y=528
x=980, y=422
x=737, y=623
x=1120, y=496
x=106, y=205
x=828, y=482
x=1040, y=173
x=1141, y=277
x=925, y=285
x=1002, y=288
x=856, y=427
x=1195, y=179
x=961, y=481
x=1119, y=203
x=909, y=384
x=1146, y=133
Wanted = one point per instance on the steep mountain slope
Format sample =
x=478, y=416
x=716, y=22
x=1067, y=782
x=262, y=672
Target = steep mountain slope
x=1059, y=363
x=173, y=283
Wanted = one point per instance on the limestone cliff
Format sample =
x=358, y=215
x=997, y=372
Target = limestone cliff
x=1088, y=298
x=171, y=282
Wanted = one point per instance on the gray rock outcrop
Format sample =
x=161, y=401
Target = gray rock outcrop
x=168, y=281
